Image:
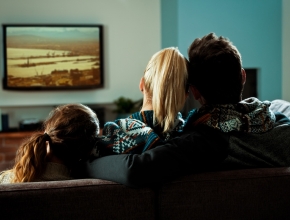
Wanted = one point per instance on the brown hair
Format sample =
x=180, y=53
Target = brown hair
x=216, y=69
x=71, y=130
x=165, y=79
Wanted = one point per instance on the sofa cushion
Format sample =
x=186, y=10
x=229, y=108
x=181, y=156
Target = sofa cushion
x=75, y=199
x=239, y=194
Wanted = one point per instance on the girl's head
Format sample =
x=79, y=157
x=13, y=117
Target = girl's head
x=69, y=134
x=165, y=81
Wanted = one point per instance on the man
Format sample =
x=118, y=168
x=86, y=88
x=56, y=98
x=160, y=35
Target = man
x=257, y=136
x=225, y=132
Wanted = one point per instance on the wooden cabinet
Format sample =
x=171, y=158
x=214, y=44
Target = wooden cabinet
x=9, y=143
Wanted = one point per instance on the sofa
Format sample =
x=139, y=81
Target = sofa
x=260, y=193
x=241, y=194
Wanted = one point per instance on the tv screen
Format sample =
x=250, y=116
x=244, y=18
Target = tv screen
x=52, y=57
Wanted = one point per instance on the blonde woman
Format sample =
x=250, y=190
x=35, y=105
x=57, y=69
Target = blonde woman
x=70, y=133
x=164, y=88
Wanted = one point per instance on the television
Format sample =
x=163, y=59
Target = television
x=52, y=57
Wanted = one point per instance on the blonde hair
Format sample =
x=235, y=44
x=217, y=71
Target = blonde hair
x=165, y=80
x=71, y=131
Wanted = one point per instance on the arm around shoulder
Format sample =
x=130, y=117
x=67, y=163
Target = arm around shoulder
x=200, y=149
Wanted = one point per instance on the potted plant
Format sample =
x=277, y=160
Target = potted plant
x=126, y=106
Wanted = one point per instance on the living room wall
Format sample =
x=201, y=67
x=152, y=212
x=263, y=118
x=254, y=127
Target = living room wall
x=131, y=37
x=286, y=50
x=132, y=34
x=255, y=27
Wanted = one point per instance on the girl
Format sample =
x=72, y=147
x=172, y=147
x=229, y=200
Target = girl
x=164, y=87
x=70, y=133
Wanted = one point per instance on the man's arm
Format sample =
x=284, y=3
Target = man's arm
x=200, y=149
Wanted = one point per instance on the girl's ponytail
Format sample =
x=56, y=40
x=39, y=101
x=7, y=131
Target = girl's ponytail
x=30, y=159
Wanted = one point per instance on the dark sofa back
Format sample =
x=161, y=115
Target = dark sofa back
x=75, y=199
x=240, y=194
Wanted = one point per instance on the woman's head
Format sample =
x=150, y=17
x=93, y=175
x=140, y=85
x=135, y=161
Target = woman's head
x=70, y=131
x=165, y=81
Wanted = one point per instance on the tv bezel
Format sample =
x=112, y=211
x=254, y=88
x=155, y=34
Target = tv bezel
x=51, y=88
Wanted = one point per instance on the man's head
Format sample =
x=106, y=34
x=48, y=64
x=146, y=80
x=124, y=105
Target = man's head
x=216, y=72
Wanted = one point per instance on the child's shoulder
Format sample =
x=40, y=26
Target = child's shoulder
x=6, y=177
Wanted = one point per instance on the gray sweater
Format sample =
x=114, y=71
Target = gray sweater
x=270, y=149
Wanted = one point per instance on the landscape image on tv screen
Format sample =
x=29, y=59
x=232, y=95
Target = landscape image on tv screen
x=52, y=57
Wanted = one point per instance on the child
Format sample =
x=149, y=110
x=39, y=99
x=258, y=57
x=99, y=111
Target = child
x=164, y=88
x=70, y=133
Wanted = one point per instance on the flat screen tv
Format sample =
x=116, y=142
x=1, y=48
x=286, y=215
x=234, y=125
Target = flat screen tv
x=52, y=57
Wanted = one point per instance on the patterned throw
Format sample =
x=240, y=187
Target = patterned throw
x=250, y=115
x=134, y=134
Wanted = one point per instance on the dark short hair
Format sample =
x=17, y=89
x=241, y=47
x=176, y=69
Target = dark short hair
x=215, y=69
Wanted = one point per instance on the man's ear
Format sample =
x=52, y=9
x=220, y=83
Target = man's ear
x=195, y=92
x=244, y=76
x=197, y=96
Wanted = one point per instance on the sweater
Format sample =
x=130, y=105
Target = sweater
x=134, y=134
x=250, y=116
x=257, y=136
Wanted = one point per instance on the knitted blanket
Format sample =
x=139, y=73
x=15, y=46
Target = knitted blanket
x=134, y=134
x=250, y=115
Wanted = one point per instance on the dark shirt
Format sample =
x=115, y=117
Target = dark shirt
x=197, y=150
